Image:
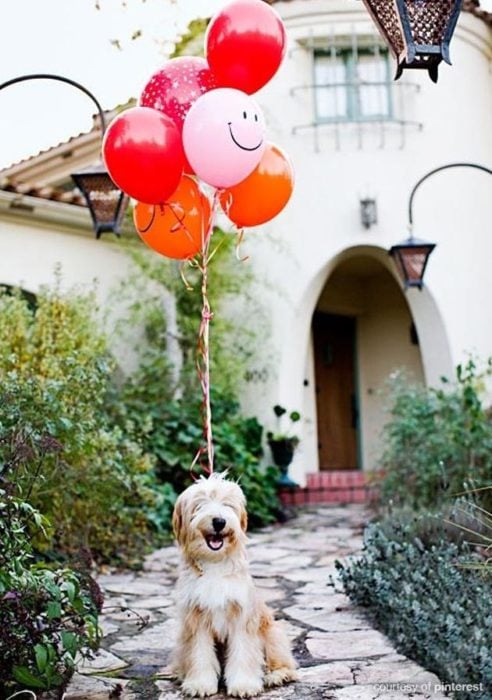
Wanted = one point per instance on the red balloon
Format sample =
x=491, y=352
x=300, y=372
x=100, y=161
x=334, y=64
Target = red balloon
x=176, y=86
x=144, y=155
x=245, y=44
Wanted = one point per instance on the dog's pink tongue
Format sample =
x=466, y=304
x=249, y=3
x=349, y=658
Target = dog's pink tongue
x=215, y=543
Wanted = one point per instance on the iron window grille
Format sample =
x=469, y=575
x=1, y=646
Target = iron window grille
x=352, y=86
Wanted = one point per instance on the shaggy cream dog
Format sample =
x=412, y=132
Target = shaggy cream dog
x=224, y=627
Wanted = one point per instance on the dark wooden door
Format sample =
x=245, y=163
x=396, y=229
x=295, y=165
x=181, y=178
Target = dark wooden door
x=336, y=400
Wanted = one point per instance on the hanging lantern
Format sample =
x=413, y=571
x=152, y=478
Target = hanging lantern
x=417, y=32
x=106, y=202
x=411, y=257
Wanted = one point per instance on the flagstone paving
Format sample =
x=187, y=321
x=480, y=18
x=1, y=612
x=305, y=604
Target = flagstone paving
x=341, y=657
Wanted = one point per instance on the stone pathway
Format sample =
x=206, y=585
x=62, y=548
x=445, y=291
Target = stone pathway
x=341, y=657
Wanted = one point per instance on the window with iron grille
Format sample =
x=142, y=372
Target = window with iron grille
x=352, y=86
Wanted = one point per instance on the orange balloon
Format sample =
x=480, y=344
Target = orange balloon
x=264, y=193
x=176, y=227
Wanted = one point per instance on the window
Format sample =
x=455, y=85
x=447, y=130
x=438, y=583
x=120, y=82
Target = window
x=352, y=86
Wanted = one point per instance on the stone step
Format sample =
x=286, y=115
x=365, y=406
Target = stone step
x=337, y=486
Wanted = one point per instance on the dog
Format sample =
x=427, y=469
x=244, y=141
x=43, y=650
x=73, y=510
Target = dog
x=225, y=630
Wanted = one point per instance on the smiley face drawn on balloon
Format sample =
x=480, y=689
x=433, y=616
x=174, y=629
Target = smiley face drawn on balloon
x=240, y=145
x=224, y=136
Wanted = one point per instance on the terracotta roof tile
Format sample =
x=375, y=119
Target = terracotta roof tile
x=50, y=193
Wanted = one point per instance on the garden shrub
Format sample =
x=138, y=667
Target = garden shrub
x=47, y=615
x=55, y=370
x=430, y=605
x=438, y=442
x=172, y=433
x=164, y=416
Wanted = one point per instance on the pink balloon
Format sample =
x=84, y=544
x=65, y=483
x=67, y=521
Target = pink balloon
x=224, y=136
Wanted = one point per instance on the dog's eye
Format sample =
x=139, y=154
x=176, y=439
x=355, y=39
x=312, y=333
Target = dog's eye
x=233, y=506
x=199, y=504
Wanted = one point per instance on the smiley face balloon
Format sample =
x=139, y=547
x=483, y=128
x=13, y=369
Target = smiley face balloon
x=224, y=136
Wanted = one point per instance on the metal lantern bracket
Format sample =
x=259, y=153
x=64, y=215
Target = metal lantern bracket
x=412, y=255
x=425, y=177
x=105, y=201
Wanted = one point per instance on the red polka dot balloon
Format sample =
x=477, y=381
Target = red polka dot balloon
x=177, y=85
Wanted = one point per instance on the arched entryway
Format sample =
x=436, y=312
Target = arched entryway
x=362, y=331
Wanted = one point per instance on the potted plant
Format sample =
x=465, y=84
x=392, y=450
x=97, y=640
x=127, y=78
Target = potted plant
x=283, y=444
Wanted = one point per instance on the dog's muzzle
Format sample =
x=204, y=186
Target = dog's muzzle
x=215, y=541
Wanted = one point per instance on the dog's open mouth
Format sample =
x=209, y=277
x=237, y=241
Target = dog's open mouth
x=215, y=541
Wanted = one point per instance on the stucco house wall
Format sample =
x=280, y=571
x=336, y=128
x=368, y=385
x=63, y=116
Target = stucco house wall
x=317, y=256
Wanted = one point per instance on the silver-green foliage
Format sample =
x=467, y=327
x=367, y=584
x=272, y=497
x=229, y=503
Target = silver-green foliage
x=423, y=596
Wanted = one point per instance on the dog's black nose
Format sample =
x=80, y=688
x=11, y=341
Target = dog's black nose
x=218, y=524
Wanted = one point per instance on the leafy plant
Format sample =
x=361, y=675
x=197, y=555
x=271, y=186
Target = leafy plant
x=438, y=442
x=435, y=611
x=47, y=616
x=55, y=370
x=172, y=433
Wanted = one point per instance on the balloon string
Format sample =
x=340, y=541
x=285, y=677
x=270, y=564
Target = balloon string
x=185, y=263
x=239, y=240
x=227, y=202
x=203, y=346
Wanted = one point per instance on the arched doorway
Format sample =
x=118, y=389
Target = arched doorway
x=362, y=331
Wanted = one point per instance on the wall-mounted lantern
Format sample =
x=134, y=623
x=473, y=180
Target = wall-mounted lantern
x=412, y=255
x=368, y=212
x=417, y=32
x=105, y=201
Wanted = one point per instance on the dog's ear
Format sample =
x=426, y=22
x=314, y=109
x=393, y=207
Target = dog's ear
x=178, y=519
x=244, y=519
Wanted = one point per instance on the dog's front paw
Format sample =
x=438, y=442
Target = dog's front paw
x=244, y=687
x=200, y=687
x=280, y=676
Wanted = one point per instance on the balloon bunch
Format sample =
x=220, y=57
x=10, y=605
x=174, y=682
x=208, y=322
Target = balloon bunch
x=196, y=123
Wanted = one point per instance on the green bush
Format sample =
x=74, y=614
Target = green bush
x=97, y=487
x=438, y=442
x=432, y=607
x=47, y=616
x=164, y=416
x=172, y=433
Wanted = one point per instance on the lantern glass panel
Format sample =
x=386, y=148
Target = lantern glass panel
x=411, y=259
x=106, y=202
x=414, y=261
